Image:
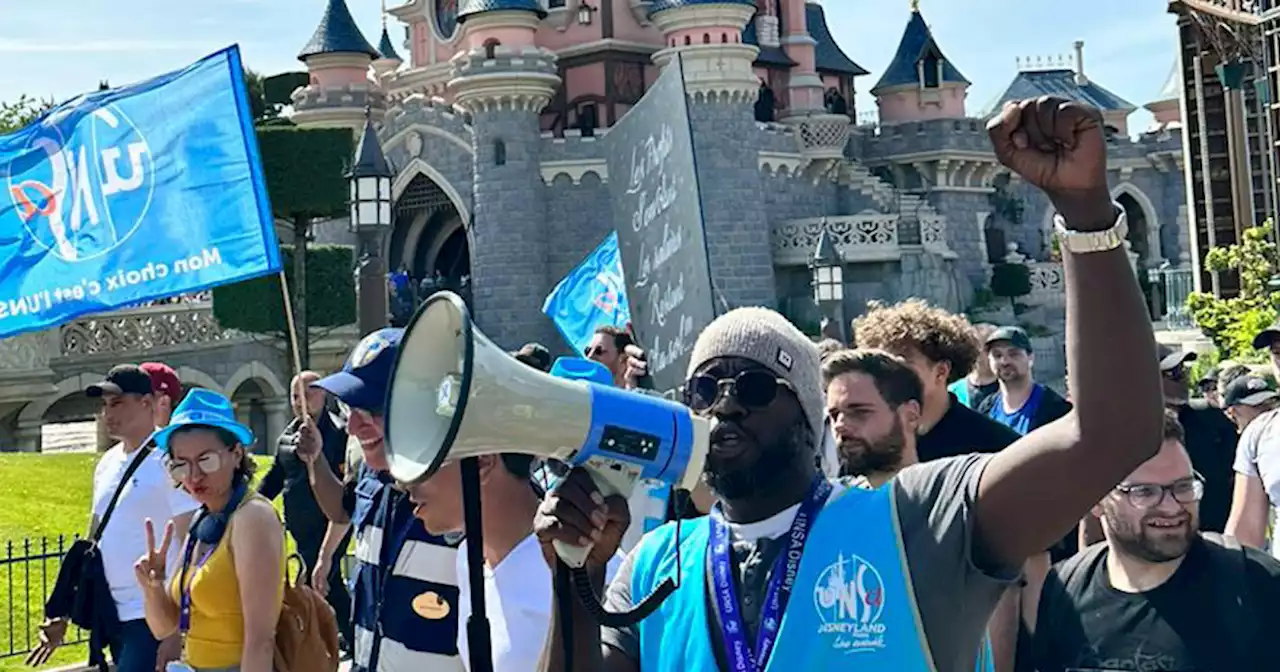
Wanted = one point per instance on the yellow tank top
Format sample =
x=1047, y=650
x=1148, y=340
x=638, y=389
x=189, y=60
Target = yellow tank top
x=216, y=636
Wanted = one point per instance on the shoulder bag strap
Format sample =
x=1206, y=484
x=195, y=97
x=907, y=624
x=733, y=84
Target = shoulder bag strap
x=1236, y=609
x=143, y=452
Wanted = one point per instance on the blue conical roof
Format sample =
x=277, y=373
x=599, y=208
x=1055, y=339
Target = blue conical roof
x=386, y=48
x=370, y=161
x=337, y=34
x=468, y=8
x=917, y=42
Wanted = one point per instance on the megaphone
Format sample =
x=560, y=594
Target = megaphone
x=453, y=394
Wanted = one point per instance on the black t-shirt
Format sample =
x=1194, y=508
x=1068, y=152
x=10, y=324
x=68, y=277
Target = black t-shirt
x=1211, y=444
x=1179, y=626
x=961, y=431
x=979, y=393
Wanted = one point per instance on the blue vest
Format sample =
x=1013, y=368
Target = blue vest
x=404, y=587
x=852, y=604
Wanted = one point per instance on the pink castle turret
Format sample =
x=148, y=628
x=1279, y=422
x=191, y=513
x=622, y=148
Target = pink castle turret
x=338, y=58
x=920, y=83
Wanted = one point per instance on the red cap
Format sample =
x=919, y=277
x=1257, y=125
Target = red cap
x=164, y=380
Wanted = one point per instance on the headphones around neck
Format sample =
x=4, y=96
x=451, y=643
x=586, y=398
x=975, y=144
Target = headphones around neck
x=209, y=527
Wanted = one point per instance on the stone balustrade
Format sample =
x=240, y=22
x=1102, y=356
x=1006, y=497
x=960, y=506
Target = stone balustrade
x=859, y=238
x=27, y=353
x=821, y=136
x=143, y=329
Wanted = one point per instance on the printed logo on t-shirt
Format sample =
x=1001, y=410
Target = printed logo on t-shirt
x=849, y=597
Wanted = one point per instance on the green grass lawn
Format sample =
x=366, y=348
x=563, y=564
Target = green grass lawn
x=41, y=497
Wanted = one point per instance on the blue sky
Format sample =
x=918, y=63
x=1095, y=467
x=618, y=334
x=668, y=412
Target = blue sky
x=1130, y=44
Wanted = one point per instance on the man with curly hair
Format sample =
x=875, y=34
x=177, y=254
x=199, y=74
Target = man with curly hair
x=941, y=347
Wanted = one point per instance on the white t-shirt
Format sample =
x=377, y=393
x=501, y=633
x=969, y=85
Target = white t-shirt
x=518, y=594
x=1258, y=454
x=150, y=493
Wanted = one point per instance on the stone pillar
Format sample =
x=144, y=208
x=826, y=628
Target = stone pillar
x=505, y=90
x=28, y=437
x=278, y=416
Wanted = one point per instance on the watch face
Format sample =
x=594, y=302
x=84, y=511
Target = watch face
x=446, y=18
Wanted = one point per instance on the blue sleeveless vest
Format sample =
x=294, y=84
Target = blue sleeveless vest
x=404, y=586
x=853, y=602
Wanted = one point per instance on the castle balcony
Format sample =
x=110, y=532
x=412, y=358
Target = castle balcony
x=869, y=237
x=1048, y=286
x=822, y=137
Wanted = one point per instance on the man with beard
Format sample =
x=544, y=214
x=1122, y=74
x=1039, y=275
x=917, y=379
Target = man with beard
x=1021, y=404
x=1158, y=595
x=904, y=577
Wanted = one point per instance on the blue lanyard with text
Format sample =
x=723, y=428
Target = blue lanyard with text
x=777, y=594
x=184, y=589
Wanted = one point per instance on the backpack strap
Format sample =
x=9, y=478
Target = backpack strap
x=143, y=452
x=1227, y=560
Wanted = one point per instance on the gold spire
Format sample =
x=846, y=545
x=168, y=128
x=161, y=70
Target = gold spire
x=915, y=6
x=384, y=14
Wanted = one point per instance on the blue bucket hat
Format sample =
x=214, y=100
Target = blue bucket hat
x=362, y=382
x=204, y=408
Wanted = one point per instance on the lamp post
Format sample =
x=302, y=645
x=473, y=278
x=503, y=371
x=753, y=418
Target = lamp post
x=585, y=13
x=370, y=177
x=827, y=267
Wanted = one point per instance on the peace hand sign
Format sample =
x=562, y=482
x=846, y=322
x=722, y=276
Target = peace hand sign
x=150, y=568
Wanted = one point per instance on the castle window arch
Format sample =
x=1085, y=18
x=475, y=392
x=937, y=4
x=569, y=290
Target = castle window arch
x=491, y=48
x=706, y=38
x=687, y=40
x=499, y=153
x=724, y=38
x=930, y=71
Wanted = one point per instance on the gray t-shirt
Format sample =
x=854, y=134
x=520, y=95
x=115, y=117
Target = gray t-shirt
x=1258, y=454
x=935, y=507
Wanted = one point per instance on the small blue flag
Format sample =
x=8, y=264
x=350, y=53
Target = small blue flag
x=591, y=296
x=134, y=194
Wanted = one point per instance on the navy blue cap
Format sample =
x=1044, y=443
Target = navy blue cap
x=362, y=382
x=1015, y=336
x=1248, y=390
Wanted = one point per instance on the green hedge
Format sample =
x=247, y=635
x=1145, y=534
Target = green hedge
x=257, y=305
x=306, y=169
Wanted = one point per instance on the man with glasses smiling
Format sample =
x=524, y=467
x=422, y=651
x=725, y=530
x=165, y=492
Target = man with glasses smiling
x=1158, y=595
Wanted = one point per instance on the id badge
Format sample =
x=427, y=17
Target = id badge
x=178, y=666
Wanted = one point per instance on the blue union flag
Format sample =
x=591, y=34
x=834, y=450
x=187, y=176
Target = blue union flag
x=124, y=196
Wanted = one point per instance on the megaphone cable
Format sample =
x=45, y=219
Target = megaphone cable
x=622, y=619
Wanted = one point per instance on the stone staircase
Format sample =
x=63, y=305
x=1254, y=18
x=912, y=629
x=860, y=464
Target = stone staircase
x=882, y=193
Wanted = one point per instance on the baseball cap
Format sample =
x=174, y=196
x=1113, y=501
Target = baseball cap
x=535, y=355
x=362, y=382
x=122, y=379
x=1171, y=359
x=164, y=380
x=1248, y=390
x=1012, y=335
x=1265, y=337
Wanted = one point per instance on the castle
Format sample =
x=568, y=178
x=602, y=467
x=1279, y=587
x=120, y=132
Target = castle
x=493, y=126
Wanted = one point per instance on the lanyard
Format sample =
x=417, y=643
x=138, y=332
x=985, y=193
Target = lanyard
x=387, y=556
x=781, y=581
x=184, y=589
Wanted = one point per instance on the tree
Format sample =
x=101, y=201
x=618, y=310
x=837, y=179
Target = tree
x=1231, y=323
x=21, y=112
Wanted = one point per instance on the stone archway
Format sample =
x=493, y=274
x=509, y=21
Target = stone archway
x=1144, y=224
x=261, y=401
x=429, y=241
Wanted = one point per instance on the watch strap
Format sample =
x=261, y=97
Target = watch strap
x=1085, y=242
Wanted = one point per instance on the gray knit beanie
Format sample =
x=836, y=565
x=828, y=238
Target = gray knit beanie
x=767, y=338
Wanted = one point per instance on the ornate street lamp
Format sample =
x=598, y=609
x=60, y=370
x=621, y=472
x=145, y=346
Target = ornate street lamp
x=584, y=13
x=371, y=219
x=827, y=267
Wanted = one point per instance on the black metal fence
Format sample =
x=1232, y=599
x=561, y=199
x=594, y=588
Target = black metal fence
x=28, y=571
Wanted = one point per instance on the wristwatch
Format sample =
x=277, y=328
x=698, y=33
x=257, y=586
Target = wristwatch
x=1084, y=242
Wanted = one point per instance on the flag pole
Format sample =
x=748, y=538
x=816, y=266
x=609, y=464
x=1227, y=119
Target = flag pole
x=292, y=327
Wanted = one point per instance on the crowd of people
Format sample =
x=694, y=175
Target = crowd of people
x=927, y=502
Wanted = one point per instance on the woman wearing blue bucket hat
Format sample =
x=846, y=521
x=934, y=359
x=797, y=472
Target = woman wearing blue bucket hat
x=226, y=595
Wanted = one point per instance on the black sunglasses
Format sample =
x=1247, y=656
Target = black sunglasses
x=754, y=389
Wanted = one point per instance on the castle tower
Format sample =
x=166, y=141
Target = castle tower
x=504, y=80
x=1167, y=107
x=388, y=60
x=805, y=89
x=722, y=88
x=338, y=59
x=920, y=82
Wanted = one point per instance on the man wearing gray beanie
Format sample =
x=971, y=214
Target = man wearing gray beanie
x=902, y=578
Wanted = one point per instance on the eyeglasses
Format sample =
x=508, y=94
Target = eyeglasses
x=207, y=464
x=754, y=389
x=597, y=351
x=1147, y=495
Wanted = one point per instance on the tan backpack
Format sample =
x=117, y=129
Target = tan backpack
x=307, y=632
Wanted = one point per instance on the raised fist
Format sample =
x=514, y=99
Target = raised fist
x=1059, y=146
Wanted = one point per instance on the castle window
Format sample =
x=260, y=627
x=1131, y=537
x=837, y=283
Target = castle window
x=724, y=38
x=931, y=71
x=491, y=48
x=687, y=40
x=588, y=120
x=499, y=153
x=555, y=4
x=706, y=38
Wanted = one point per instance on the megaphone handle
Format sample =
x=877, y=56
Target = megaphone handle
x=609, y=482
